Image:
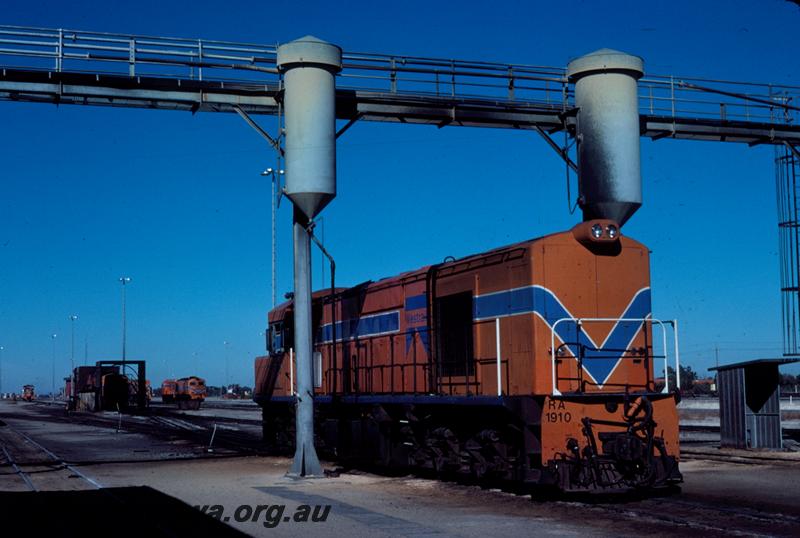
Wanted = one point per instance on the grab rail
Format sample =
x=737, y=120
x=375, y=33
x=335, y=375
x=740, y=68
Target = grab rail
x=580, y=321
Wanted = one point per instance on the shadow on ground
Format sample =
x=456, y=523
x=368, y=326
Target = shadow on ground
x=119, y=512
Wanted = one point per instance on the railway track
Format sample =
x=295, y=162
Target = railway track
x=9, y=460
x=685, y=514
x=38, y=467
x=210, y=436
x=232, y=436
x=679, y=514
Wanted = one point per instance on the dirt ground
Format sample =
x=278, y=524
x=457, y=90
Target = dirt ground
x=717, y=499
x=724, y=494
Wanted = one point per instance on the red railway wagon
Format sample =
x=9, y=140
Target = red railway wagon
x=85, y=377
x=532, y=363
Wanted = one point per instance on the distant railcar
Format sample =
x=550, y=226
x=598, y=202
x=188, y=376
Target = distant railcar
x=533, y=363
x=133, y=392
x=168, y=390
x=190, y=392
x=28, y=393
x=115, y=392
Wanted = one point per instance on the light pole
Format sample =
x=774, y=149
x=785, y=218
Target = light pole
x=72, y=319
x=124, y=280
x=272, y=172
x=53, y=379
x=1, y=370
x=227, y=376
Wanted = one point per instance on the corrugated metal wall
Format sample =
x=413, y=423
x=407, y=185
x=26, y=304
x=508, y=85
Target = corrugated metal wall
x=730, y=384
x=762, y=407
x=749, y=407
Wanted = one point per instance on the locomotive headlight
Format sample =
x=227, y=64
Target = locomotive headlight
x=612, y=231
x=597, y=231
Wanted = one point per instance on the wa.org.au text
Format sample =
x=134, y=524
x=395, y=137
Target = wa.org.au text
x=269, y=515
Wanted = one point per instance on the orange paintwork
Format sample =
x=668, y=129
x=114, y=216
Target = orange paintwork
x=168, y=388
x=190, y=388
x=561, y=420
x=589, y=286
x=587, y=279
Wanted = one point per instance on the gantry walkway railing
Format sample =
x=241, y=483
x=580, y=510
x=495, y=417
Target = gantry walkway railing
x=197, y=75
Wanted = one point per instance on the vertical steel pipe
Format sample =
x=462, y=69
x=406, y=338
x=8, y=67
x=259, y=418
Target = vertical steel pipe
x=306, y=463
x=309, y=66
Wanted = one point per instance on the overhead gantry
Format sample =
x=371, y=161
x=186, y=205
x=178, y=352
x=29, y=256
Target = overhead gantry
x=602, y=100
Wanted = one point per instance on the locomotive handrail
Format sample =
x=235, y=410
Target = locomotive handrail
x=291, y=372
x=497, y=341
x=362, y=367
x=580, y=321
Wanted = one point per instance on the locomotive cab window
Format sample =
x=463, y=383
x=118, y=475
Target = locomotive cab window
x=454, y=328
x=280, y=337
x=275, y=340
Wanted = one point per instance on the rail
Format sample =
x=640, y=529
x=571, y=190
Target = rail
x=418, y=79
x=554, y=351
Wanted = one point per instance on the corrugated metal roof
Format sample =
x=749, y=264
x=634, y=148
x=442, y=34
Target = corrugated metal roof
x=779, y=361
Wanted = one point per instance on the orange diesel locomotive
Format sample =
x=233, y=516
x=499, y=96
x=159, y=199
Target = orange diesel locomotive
x=532, y=363
x=168, y=390
x=190, y=392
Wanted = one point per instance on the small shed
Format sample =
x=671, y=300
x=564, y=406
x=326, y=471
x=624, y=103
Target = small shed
x=749, y=403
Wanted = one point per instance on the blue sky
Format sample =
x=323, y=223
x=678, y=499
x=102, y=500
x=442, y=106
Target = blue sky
x=176, y=202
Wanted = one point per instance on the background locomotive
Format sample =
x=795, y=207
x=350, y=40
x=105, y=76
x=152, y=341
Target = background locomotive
x=168, y=390
x=532, y=363
x=190, y=392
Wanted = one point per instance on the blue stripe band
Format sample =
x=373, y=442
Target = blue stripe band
x=361, y=327
x=416, y=302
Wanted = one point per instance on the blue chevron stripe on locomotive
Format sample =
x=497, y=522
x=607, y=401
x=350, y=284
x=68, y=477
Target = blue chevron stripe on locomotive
x=599, y=360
